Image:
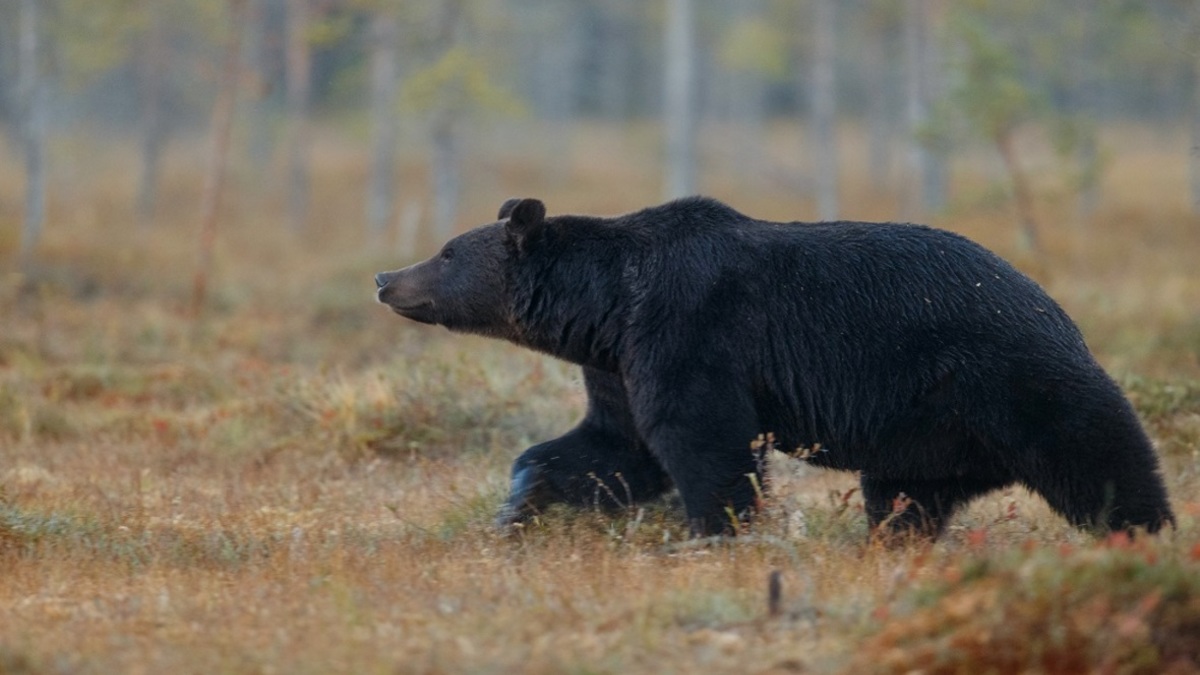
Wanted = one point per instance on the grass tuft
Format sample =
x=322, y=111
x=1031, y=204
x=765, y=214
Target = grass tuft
x=1120, y=607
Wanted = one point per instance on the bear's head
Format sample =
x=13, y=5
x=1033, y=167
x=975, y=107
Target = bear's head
x=464, y=287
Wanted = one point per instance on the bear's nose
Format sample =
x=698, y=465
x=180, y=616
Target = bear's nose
x=381, y=280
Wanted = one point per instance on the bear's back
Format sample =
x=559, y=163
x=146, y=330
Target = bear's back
x=876, y=273
x=876, y=297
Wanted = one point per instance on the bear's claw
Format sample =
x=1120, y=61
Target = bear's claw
x=524, y=498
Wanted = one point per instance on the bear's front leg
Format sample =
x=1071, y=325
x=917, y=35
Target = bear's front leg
x=700, y=425
x=602, y=463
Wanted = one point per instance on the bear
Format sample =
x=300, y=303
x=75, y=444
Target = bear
x=908, y=354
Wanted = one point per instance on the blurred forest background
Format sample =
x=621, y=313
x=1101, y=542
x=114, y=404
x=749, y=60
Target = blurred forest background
x=218, y=454
x=424, y=101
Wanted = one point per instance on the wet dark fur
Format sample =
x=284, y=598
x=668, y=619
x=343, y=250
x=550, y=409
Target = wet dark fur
x=910, y=354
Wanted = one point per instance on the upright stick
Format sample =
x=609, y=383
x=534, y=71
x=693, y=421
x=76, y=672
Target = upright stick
x=222, y=124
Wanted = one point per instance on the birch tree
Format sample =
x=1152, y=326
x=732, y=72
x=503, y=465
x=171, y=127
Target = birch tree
x=448, y=93
x=221, y=127
x=553, y=72
x=298, y=78
x=152, y=73
x=921, y=63
x=753, y=53
x=381, y=191
x=1194, y=153
x=994, y=102
x=31, y=88
x=824, y=108
x=262, y=77
x=90, y=39
x=679, y=104
x=447, y=89
x=1084, y=60
x=881, y=21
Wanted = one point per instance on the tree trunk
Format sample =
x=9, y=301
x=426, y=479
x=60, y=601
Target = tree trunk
x=445, y=134
x=299, y=79
x=381, y=197
x=1194, y=164
x=1084, y=57
x=555, y=75
x=824, y=109
x=914, y=101
x=879, y=110
x=679, y=106
x=32, y=98
x=1028, y=238
x=920, y=59
x=933, y=192
x=214, y=179
x=617, y=40
x=1089, y=188
x=744, y=101
x=258, y=119
x=447, y=181
x=153, y=73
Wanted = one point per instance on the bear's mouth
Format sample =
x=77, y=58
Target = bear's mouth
x=422, y=313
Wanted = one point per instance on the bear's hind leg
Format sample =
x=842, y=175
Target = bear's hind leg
x=904, y=508
x=588, y=468
x=1103, y=493
x=1093, y=464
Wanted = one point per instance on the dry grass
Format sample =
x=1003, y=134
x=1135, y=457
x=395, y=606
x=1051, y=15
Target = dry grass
x=301, y=482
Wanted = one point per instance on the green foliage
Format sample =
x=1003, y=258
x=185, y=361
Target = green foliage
x=1171, y=410
x=1157, y=399
x=755, y=46
x=1071, y=134
x=696, y=610
x=92, y=37
x=93, y=538
x=990, y=94
x=25, y=527
x=1013, y=59
x=458, y=83
x=329, y=29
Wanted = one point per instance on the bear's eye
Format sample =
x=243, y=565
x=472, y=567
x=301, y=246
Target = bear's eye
x=447, y=255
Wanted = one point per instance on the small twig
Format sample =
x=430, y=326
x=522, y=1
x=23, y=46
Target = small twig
x=628, y=492
x=775, y=593
x=602, y=485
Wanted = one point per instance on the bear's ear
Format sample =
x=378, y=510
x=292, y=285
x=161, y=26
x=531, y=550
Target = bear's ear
x=506, y=208
x=526, y=220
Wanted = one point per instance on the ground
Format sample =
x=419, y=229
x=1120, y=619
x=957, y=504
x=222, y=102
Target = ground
x=299, y=481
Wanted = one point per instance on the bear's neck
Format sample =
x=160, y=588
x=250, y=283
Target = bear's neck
x=570, y=307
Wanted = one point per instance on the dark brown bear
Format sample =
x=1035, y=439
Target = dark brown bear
x=909, y=354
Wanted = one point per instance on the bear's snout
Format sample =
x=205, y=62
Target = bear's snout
x=384, y=286
x=406, y=292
